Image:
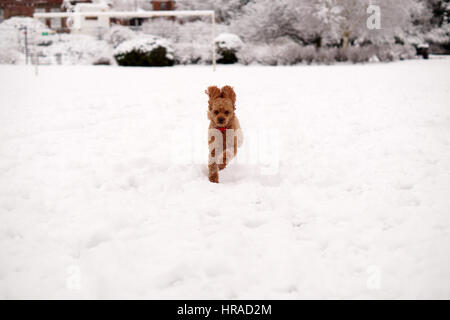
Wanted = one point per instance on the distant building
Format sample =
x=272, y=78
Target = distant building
x=26, y=8
x=90, y=25
x=163, y=5
x=156, y=5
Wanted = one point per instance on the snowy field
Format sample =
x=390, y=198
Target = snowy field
x=94, y=202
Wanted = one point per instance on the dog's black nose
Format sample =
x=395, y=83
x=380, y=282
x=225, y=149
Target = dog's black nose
x=221, y=120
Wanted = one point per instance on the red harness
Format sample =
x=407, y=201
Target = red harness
x=221, y=129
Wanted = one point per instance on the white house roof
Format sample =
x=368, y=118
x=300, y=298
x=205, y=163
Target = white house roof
x=86, y=7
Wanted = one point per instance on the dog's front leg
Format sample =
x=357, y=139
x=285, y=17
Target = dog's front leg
x=212, y=167
x=213, y=173
x=227, y=156
x=214, y=144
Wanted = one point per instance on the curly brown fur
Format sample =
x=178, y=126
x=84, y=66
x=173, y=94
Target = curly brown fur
x=224, y=133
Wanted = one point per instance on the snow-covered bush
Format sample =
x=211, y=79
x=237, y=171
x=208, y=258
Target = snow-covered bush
x=146, y=51
x=277, y=54
x=12, y=38
x=291, y=53
x=395, y=52
x=439, y=38
x=20, y=22
x=288, y=53
x=227, y=45
x=359, y=54
x=119, y=34
x=191, y=53
x=323, y=55
x=11, y=47
x=256, y=54
x=307, y=54
x=371, y=53
x=10, y=56
x=191, y=40
x=75, y=49
x=355, y=54
x=10, y=28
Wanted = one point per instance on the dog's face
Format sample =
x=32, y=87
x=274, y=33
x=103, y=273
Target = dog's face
x=222, y=112
x=221, y=105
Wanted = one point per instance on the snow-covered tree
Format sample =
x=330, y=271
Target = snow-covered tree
x=440, y=10
x=269, y=20
x=321, y=21
x=348, y=19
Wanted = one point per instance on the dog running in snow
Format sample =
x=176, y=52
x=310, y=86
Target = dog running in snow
x=224, y=133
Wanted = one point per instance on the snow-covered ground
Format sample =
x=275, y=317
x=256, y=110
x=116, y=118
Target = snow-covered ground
x=95, y=202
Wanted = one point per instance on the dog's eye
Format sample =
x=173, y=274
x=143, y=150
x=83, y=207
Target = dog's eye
x=227, y=112
x=216, y=112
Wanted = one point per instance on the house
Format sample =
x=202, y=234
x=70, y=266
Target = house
x=26, y=8
x=12, y=8
x=156, y=5
x=93, y=25
x=163, y=5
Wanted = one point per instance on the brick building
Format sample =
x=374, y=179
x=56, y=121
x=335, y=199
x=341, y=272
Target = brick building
x=26, y=8
x=163, y=5
x=156, y=5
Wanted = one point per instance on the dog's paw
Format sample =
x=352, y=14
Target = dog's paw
x=214, y=179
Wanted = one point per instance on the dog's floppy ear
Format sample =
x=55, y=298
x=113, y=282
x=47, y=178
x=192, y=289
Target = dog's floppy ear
x=228, y=92
x=213, y=92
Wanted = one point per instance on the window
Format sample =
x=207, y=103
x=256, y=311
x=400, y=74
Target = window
x=163, y=5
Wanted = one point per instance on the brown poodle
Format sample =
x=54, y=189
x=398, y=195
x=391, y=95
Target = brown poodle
x=224, y=134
